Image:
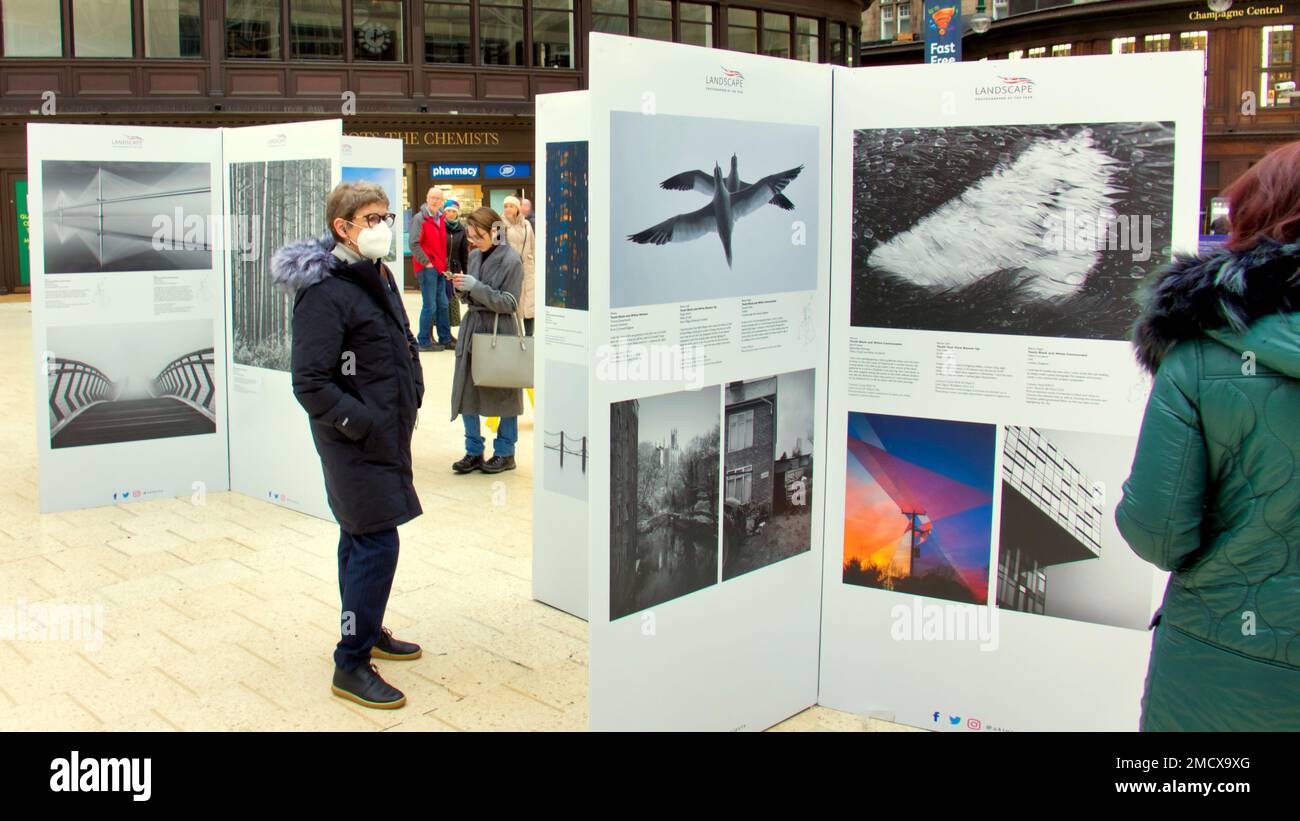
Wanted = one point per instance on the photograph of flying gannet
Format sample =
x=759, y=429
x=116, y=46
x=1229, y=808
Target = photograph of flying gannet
x=1038, y=230
x=705, y=208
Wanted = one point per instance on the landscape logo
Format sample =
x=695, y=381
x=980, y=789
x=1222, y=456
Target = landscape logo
x=278, y=141
x=129, y=141
x=126, y=775
x=1006, y=88
x=729, y=81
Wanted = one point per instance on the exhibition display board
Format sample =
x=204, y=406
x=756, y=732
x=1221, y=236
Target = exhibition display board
x=128, y=300
x=277, y=178
x=857, y=418
x=995, y=223
x=708, y=300
x=151, y=295
x=561, y=439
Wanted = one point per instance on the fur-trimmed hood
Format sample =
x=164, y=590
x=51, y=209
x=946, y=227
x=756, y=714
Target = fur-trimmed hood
x=302, y=264
x=1223, y=294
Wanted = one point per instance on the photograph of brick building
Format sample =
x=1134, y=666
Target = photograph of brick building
x=767, y=468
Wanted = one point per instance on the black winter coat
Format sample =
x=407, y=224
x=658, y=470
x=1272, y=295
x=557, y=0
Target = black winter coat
x=457, y=249
x=356, y=371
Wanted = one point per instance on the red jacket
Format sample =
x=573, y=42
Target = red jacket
x=433, y=240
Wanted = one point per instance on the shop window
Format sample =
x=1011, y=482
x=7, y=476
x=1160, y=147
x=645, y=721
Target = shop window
x=776, y=34
x=1277, y=66
x=101, y=28
x=836, y=31
x=173, y=28
x=1123, y=45
x=1156, y=42
x=32, y=28
x=553, y=33
x=501, y=32
x=742, y=30
x=696, y=24
x=377, y=28
x=855, y=42
x=1062, y=50
x=316, y=29
x=1199, y=41
x=654, y=19
x=1036, y=52
x=1018, y=54
x=807, y=40
x=253, y=29
x=610, y=16
x=447, y=36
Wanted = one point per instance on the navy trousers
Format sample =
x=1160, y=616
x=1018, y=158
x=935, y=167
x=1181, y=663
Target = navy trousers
x=367, y=563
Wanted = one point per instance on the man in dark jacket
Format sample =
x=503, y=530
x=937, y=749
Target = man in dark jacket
x=356, y=371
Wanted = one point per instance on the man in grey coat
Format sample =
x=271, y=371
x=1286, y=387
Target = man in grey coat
x=491, y=291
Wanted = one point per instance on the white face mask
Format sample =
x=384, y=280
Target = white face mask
x=374, y=243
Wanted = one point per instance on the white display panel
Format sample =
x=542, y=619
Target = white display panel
x=127, y=305
x=994, y=223
x=277, y=178
x=561, y=467
x=379, y=160
x=708, y=350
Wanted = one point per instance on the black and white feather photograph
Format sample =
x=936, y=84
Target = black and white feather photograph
x=704, y=208
x=1037, y=230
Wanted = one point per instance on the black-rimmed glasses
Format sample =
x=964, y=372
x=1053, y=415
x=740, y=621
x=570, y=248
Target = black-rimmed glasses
x=374, y=219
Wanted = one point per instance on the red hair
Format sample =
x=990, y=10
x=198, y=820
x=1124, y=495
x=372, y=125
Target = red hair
x=1265, y=201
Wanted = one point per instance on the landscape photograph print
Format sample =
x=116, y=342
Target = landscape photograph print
x=106, y=217
x=704, y=208
x=127, y=383
x=663, y=518
x=566, y=225
x=272, y=204
x=1040, y=230
x=918, y=506
x=768, y=471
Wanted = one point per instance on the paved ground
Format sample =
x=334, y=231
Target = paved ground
x=222, y=616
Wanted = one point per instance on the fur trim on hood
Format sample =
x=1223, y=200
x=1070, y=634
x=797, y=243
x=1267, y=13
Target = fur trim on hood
x=301, y=264
x=1219, y=291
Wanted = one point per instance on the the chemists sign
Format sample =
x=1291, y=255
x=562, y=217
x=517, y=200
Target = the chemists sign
x=943, y=32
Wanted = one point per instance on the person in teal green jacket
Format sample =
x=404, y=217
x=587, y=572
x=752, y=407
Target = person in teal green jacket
x=1214, y=493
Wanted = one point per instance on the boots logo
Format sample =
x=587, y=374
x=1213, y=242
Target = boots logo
x=126, y=775
x=729, y=81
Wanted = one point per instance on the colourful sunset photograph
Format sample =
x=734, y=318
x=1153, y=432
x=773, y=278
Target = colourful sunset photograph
x=919, y=506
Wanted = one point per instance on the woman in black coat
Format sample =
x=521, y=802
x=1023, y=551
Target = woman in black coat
x=356, y=371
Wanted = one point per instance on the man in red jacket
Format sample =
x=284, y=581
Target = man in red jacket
x=429, y=251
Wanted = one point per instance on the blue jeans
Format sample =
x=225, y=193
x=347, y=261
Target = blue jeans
x=434, y=311
x=367, y=563
x=503, y=445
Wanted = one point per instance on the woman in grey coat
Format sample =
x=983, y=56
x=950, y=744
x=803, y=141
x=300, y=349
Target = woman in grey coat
x=491, y=290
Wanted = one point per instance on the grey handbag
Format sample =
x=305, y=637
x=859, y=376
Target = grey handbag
x=504, y=361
